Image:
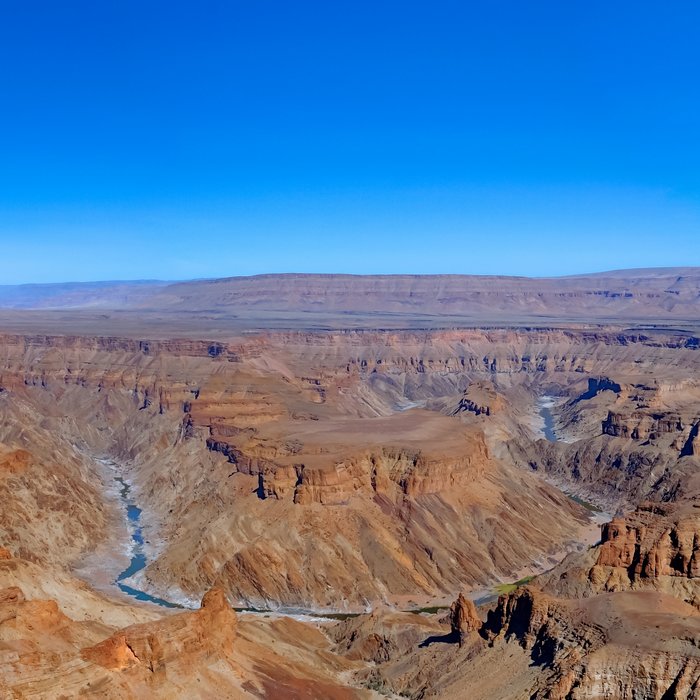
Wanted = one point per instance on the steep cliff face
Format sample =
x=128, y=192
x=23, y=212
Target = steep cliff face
x=534, y=645
x=657, y=546
x=642, y=426
x=384, y=471
x=350, y=434
x=625, y=441
x=541, y=624
x=626, y=645
x=653, y=548
x=297, y=434
x=343, y=469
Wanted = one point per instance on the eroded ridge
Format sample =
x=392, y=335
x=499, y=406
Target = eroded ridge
x=369, y=473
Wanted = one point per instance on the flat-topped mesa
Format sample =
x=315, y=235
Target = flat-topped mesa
x=331, y=433
x=384, y=471
x=480, y=398
x=390, y=473
x=188, y=636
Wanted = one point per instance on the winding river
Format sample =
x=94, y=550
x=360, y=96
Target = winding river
x=139, y=561
x=136, y=551
x=545, y=405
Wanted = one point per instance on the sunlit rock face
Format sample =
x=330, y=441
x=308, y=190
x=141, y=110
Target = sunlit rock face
x=412, y=457
x=347, y=471
x=191, y=637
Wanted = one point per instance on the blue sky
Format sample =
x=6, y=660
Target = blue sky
x=177, y=140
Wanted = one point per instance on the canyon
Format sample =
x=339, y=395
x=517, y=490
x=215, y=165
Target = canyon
x=340, y=479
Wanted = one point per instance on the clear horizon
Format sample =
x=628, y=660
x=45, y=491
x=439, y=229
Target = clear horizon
x=354, y=274
x=162, y=143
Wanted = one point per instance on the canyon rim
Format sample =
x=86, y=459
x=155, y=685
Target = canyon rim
x=342, y=491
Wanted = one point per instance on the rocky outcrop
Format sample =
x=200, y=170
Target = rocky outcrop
x=463, y=618
x=17, y=613
x=643, y=425
x=13, y=594
x=10, y=598
x=183, y=638
x=657, y=546
x=46, y=654
x=480, y=398
x=382, y=635
x=324, y=470
x=591, y=648
x=13, y=461
x=539, y=623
